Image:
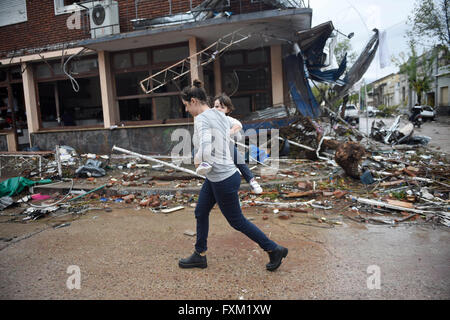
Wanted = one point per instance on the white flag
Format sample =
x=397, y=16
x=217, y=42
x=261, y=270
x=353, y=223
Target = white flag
x=385, y=61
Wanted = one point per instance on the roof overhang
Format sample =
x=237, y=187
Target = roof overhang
x=266, y=28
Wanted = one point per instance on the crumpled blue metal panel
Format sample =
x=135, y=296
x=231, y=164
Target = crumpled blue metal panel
x=299, y=88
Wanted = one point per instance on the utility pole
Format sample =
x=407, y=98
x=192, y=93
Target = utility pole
x=365, y=105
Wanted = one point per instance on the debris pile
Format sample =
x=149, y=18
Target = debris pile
x=324, y=178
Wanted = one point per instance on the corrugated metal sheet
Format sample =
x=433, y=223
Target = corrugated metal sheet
x=12, y=11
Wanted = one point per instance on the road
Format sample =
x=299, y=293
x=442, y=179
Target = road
x=128, y=253
x=133, y=254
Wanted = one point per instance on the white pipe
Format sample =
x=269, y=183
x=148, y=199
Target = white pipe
x=114, y=148
x=298, y=144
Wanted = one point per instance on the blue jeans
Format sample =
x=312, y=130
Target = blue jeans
x=239, y=161
x=225, y=194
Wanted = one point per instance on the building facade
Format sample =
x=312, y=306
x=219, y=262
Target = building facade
x=394, y=89
x=71, y=72
x=391, y=90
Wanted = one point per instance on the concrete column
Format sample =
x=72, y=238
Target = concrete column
x=31, y=103
x=217, y=77
x=196, y=70
x=109, y=104
x=277, y=74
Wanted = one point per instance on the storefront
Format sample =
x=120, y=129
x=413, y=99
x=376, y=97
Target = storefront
x=102, y=104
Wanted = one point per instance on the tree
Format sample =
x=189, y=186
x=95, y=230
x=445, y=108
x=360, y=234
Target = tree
x=430, y=21
x=418, y=69
x=343, y=47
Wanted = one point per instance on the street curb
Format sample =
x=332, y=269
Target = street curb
x=115, y=191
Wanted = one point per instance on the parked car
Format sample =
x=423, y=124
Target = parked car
x=372, y=111
x=351, y=114
x=428, y=113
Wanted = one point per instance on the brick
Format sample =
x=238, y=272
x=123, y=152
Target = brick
x=44, y=28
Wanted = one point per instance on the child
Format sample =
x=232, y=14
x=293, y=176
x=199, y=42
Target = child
x=223, y=103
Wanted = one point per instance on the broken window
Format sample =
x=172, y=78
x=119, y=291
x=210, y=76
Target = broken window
x=59, y=103
x=135, y=109
x=246, y=78
x=130, y=67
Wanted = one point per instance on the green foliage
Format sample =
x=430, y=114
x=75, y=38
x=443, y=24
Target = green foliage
x=353, y=99
x=343, y=47
x=418, y=69
x=387, y=111
x=430, y=21
x=399, y=195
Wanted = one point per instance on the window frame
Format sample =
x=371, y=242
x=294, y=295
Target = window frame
x=149, y=67
x=247, y=65
x=62, y=77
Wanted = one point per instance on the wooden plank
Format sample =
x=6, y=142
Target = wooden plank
x=301, y=194
x=392, y=183
x=400, y=203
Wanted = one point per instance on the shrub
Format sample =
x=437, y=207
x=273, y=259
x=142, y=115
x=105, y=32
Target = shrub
x=387, y=111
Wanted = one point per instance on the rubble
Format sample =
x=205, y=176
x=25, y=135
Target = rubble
x=348, y=156
x=326, y=179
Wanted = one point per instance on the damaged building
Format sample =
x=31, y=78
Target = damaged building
x=76, y=79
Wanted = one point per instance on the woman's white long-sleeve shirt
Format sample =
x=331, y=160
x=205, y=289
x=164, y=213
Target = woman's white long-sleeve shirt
x=212, y=140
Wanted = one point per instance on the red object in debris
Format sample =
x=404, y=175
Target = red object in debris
x=284, y=216
x=155, y=203
x=39, y=196
x=265, y=217
x=339, y=193
x=145, y=202
x=128, y=198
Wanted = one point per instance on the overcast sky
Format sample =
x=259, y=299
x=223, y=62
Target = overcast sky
x=360, y=17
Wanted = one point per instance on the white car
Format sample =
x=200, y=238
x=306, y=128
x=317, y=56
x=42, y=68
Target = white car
x=428, y=113
x=351, y=113
x=372, y=111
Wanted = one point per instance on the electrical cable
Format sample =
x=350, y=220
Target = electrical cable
x=54, y=203
x=75, y=85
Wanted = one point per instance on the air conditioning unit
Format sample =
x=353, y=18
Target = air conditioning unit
x=104, y=18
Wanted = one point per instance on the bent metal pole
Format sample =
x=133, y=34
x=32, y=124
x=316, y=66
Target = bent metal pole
x=167, y=164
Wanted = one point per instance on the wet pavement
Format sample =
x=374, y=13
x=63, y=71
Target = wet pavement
x=133, y=254
x=124, y=251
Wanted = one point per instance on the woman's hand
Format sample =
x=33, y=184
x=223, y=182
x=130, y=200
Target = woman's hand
x=235, y=129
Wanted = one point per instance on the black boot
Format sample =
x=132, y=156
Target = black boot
x=276, y=255
x=194, y=261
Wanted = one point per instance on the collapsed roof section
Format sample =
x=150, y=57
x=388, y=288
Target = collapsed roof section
x=313, y=41
x=309, y=62
x=206, y=10
x=359, y=68
x=203, y=11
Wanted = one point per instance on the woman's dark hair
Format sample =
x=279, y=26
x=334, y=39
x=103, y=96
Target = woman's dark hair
x=196, y=91
x=225, y=101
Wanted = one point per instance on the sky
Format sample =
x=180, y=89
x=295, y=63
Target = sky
x=360, y=17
